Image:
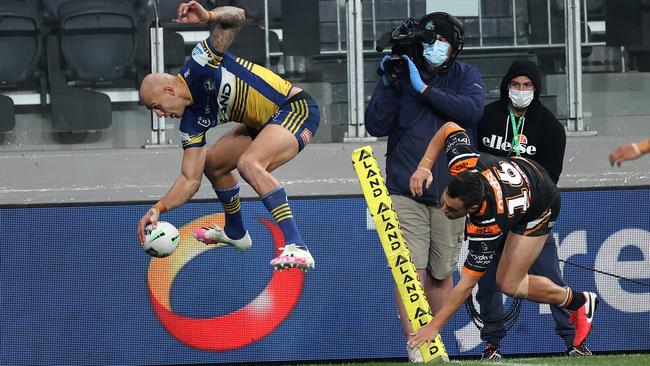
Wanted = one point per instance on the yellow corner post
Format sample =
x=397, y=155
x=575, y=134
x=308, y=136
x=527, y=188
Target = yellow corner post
x=397, y=253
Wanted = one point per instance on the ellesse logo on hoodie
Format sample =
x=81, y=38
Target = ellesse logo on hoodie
x=499, y=143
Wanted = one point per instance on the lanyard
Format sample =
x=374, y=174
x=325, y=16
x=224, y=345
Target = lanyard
x=516, y=125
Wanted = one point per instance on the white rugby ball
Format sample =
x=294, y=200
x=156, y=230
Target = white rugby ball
x=161, y=241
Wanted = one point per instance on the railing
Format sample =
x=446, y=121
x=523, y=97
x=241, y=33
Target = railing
x=353, y=9
x=355, y=94
x=341, y=24
x=573, y=54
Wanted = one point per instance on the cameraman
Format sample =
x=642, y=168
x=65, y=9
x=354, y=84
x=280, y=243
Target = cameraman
x=435, y=88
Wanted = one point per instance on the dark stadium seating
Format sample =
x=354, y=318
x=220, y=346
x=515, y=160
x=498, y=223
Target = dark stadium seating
x=7, y=114
x=73, y=109
x=173, y=50
x=168, y=11
x=20, y=47
x=50, y=10
x=173, y=43
x=249, y=44
x=92, y=41
x=98, y=38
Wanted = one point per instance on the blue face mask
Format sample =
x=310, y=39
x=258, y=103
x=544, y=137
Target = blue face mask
x=436, y=54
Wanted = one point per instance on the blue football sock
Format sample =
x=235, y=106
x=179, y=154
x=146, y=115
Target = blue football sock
x=229, y=198
x=278, y=205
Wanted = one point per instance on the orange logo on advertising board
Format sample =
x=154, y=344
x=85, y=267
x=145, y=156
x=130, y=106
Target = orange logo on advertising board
x=238, y=329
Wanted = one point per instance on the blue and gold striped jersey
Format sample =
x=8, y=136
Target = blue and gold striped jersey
x=225, y=88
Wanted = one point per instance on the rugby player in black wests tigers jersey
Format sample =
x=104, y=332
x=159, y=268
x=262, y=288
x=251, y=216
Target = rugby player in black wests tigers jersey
x=500, y=196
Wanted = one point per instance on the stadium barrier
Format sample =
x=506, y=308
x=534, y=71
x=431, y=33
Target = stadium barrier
x=77, y=289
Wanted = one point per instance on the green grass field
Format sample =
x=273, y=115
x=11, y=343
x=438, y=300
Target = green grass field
x=608, y=360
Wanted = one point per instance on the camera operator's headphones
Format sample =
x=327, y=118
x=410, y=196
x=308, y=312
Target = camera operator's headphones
x=457, y=32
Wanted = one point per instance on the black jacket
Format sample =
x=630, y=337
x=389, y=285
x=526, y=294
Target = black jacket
x=545, y=136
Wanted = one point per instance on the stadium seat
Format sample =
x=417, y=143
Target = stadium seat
x=7, y=114
x=249, y=44
x=93, y=43
x=74, y=109
x=174, y=45
x=174, y=49
x=20, y=47
x=255, y=11
x=168, y=12
x=98, y=38
x=50, y=10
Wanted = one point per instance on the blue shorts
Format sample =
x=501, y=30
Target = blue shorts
x=299, y=114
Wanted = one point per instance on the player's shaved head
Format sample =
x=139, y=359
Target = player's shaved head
x=154, y=84
x=164, y=94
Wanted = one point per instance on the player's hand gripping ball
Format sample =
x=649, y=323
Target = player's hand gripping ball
x=161, y=241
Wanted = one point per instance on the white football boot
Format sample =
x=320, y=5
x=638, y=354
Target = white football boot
x=293, y=256
x=415, y=355
x=217, y=236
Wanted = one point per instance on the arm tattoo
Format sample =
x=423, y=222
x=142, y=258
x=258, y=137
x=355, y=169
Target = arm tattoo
x=229, y=21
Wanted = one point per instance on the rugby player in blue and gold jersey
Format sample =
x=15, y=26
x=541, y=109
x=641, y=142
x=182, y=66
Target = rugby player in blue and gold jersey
x=276, y=120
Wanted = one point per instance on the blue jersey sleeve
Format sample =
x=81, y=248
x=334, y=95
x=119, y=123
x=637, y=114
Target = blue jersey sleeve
x=192, y=129
x=200, y=76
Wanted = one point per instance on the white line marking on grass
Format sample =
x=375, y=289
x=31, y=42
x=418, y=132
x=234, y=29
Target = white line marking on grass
x=506, y=363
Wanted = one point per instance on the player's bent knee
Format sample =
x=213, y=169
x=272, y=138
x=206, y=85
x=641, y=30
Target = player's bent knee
x=216, y=166
x=518, y=290
x=248, y=167
x=216, y=171
x=522, y=289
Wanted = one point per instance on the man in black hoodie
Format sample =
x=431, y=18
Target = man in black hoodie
x=540, y=137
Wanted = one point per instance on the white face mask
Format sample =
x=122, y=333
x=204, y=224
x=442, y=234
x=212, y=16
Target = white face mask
x=521, y=98
x=436, y=54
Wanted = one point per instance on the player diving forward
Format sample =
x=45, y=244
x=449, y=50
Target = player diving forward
x=276, y=121
x=501, y=196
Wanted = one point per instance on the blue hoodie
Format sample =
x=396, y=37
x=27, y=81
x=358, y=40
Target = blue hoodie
x=410, y=120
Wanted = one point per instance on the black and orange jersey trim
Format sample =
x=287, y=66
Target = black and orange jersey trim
x=464, y=156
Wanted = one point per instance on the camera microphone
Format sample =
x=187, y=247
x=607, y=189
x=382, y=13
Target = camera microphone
x=383, y=42
x=427, y=35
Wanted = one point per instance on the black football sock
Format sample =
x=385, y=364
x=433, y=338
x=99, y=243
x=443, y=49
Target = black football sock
x=575, y=300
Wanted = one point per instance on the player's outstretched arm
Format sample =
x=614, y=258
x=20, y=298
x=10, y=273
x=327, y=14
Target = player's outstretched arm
x=629, y=151
x=437, y=143
x=229, y=21
x=456, y=298
x=423, y=173
x=186, y=185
